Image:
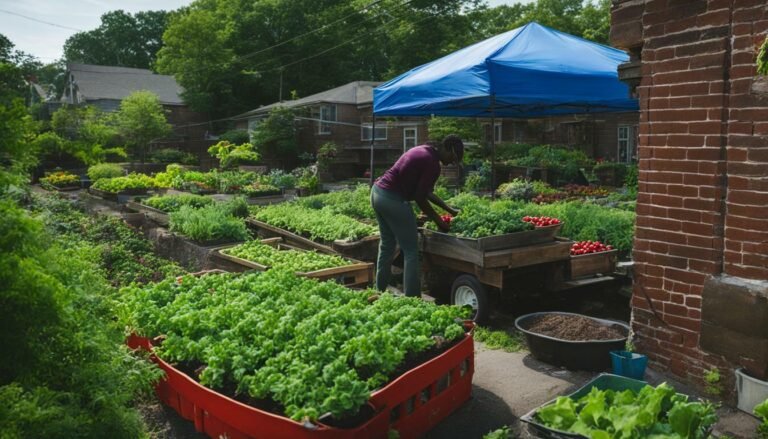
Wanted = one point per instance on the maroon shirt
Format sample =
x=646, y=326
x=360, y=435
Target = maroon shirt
x=414, y=174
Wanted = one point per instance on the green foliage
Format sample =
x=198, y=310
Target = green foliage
x=762, y=58
x=479, y=180
x=511, y=151
x=564, y=161
x=306, y=178
x=591, y=222
x=59, y=179
x=122, y=39
x=517, y=189
x=500, y=433
x=630, y=180
x=66, y=370
x=290, y=259
x=275, y=136
x=647, y=413
x=16, y=156
x=86, y=133
x=311, y=347
x=170, y=155
x=141, y=119
x=325, y=155
x=231, y=155
x=105, y=170
x=479, y=218
x=761, y=411
x=237, y=137
x=322, y=224
x=130, y=181
x=356, y=204
x=282, y=179
x=208, y=223
x=499, y=340
x=172, y=203
x=469, y=130
x=712, y=382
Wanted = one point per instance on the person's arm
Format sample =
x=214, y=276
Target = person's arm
x=440, y=203
x=430, y=212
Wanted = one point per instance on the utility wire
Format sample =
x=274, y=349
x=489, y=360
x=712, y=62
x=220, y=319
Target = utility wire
x=325, y=26
x=40, y=21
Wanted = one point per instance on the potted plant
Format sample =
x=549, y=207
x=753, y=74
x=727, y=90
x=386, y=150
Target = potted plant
x=629, y=363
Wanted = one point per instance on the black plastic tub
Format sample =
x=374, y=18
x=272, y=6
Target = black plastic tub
x=591, y=355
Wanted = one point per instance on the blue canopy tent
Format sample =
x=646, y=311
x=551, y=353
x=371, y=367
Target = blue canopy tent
x=531, y=71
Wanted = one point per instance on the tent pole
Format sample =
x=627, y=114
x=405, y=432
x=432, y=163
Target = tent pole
x=373, y=139
x=493, y=148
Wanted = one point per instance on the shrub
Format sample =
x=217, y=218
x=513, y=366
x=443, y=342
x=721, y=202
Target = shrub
x=170, y=155
x=326, y=154
x=282, y=179
x=237, y=137
x=130, y=181
x=60, y=179
x=517, y=189
x=762, y=58
x=564, y=161
x=105, y=170
x=231, y=155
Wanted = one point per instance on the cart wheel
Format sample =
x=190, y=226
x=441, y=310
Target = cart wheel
x=467, y=290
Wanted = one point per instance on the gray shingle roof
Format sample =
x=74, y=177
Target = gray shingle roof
x=356, y=93
x=106, y=82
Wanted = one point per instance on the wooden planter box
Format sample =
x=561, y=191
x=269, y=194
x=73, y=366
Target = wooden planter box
x=593, y=263
x=364, y=249
x=158, y=216
x=498, y=250
x=356, y=274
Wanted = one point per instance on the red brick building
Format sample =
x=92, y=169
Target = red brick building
x=701, y=249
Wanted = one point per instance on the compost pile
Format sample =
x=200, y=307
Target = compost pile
x=574, y=328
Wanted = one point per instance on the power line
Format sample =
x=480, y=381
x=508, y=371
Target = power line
x=325, y=26
x=40, y=21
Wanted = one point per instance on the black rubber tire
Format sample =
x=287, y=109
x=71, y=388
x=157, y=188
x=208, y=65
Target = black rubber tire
x=483, y=311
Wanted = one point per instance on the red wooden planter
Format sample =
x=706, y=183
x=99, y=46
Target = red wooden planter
x=412, y=404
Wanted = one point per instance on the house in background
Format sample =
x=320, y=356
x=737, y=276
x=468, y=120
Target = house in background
x=342, y=115
x=105, y=87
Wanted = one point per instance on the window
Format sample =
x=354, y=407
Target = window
x=627, y=144
x=381, y=132
x=327, y=113
x=409, y=138
x=496, y=132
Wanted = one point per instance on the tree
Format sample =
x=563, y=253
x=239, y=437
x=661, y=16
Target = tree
x=141, y=119
x=122, y=39
x=276, y=135
x=85, y=133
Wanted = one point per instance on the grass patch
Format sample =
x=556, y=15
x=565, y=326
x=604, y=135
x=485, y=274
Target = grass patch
x=500, y=340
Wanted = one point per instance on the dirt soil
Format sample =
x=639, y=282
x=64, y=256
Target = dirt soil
x=575, y=328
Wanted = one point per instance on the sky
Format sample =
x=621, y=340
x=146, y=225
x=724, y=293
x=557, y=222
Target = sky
x=66, y=17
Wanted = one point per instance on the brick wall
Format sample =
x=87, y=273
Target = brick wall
x=703, y=192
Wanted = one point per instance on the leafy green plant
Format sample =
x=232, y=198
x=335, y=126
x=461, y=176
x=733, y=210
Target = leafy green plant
x=499, y=340
x=237, y=137
x=480, y=218
x=119, y=184
x=712, y=382
x=761, y=411
x=469, y=130
x=282, y=179
x=649, y=412
x=762, y=58
x=325, y=155
x=231, y=155
x=290, y=259
x=630, y=180
x=500, y=433
x=312, y=347
x=565, y=162
x=356, y=203
x=208, y=223
x=60, y=179
x=322, y=224
x=479, y=180
x=105, y=170
x=172, y=203
x=306, y=179
x=516, y=189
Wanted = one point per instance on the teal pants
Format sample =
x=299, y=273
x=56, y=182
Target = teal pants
x=397, y=226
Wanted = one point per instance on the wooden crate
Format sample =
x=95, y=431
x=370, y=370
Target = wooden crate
x=490, y=251
x=593, y=263
x=356, y=274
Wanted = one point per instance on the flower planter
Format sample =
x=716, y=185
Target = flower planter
x=629, y=364
x=750, y=390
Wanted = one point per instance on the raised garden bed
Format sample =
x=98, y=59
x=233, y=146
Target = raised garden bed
x=364, y=249
x=157, y=216
x=115, y=196
x=573, y=341
x=355, y=274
